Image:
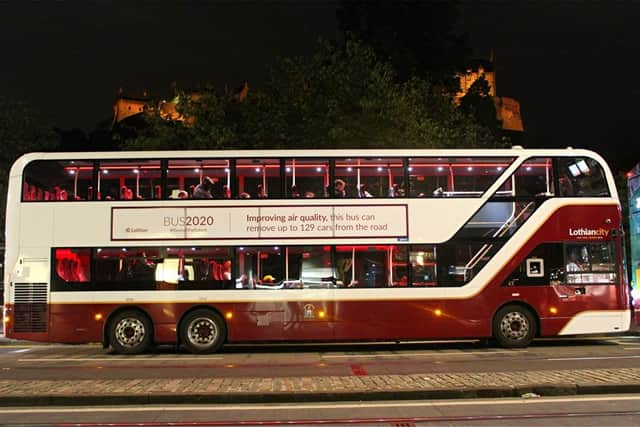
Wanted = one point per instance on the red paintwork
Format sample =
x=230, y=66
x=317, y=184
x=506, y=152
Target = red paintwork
x=372, y=320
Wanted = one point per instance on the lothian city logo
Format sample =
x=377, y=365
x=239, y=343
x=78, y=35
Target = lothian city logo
x=588, y=232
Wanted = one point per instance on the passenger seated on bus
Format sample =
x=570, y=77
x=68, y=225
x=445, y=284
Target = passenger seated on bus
x=394, y=191
x=226, y=274
x=566, y=187
x=309, y=195
x=261, y=193
x=245, y=195
x=339, y=188
x=125, y=193
x=203, y=190
x=183, y=194
x=294, y=192
x=362, y=191
x=403, y=282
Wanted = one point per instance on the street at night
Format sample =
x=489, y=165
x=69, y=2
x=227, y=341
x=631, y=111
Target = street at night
x=332, y=212
x=288, y=383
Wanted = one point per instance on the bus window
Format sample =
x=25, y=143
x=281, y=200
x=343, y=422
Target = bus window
x=590, y=263
x=423, y=265
x=454, y=177
x=458, y=263
x=195, y=268
x=259, y=268
x=543, y=266
x=129, y=180
x=258, y=178
x=363, y=266
x=399, y=266
x=310, y=267
x=370, y=177
x=72, y=265
x=533, y=178
x=58, y=180
x=125, y=268
x=306, y=178
x=581, y=176
x=209, y=176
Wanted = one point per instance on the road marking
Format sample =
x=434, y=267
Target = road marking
x=333, y=405
x=593, y=358
x=118, y=359
x=22, y=350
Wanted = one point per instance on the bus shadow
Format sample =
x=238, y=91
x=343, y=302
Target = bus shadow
x=364, y=347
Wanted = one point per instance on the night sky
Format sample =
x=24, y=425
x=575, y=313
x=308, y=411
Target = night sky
x=573, y=65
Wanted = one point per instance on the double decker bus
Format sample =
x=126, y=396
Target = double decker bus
x=203, y=248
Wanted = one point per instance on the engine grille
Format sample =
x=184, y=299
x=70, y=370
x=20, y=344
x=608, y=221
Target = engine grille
x=30, y=307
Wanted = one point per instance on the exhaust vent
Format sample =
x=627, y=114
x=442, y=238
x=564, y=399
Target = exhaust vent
x=31, y=307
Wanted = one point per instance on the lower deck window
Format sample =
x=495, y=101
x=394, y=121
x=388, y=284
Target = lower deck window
x=267, y=267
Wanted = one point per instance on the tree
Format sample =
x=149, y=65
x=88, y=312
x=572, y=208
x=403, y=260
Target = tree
x=478, y=103
x=417, y=37
x=22, y=130
x=202, y=120
x=340, y=97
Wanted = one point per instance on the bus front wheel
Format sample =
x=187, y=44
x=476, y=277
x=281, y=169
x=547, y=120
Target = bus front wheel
x=130, y=332
x=514, y=326
x=203, y=331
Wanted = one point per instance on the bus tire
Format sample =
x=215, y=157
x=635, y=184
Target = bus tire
x=130, y=332
x=514, y=326
x=203, y=331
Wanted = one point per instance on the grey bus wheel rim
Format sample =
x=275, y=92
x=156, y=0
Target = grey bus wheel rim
x=515, y=326
x=130, y=332
x=202, y=332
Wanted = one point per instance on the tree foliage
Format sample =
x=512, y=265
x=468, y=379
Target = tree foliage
x=343, y=96
x=478, y=103
x=22, y=130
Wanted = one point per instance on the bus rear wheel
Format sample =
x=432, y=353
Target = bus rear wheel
x=514, y=326
x=130, y=332
x=203, y=331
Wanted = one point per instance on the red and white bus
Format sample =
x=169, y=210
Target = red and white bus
x=202, y=248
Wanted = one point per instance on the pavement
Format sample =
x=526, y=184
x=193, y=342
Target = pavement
x=523, y=384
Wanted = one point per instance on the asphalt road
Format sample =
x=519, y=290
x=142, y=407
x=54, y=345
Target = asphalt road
x=24, y=361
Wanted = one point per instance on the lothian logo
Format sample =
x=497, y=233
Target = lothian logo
x=588, y=232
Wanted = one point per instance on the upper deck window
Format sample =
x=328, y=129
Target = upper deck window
x=199, y=179
x=57, y=180
x=258, y=178
x=129, y=180
x=533, y=178
x=369, y=177
x=306, y=178
x=582, y=176
x=454, y=177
